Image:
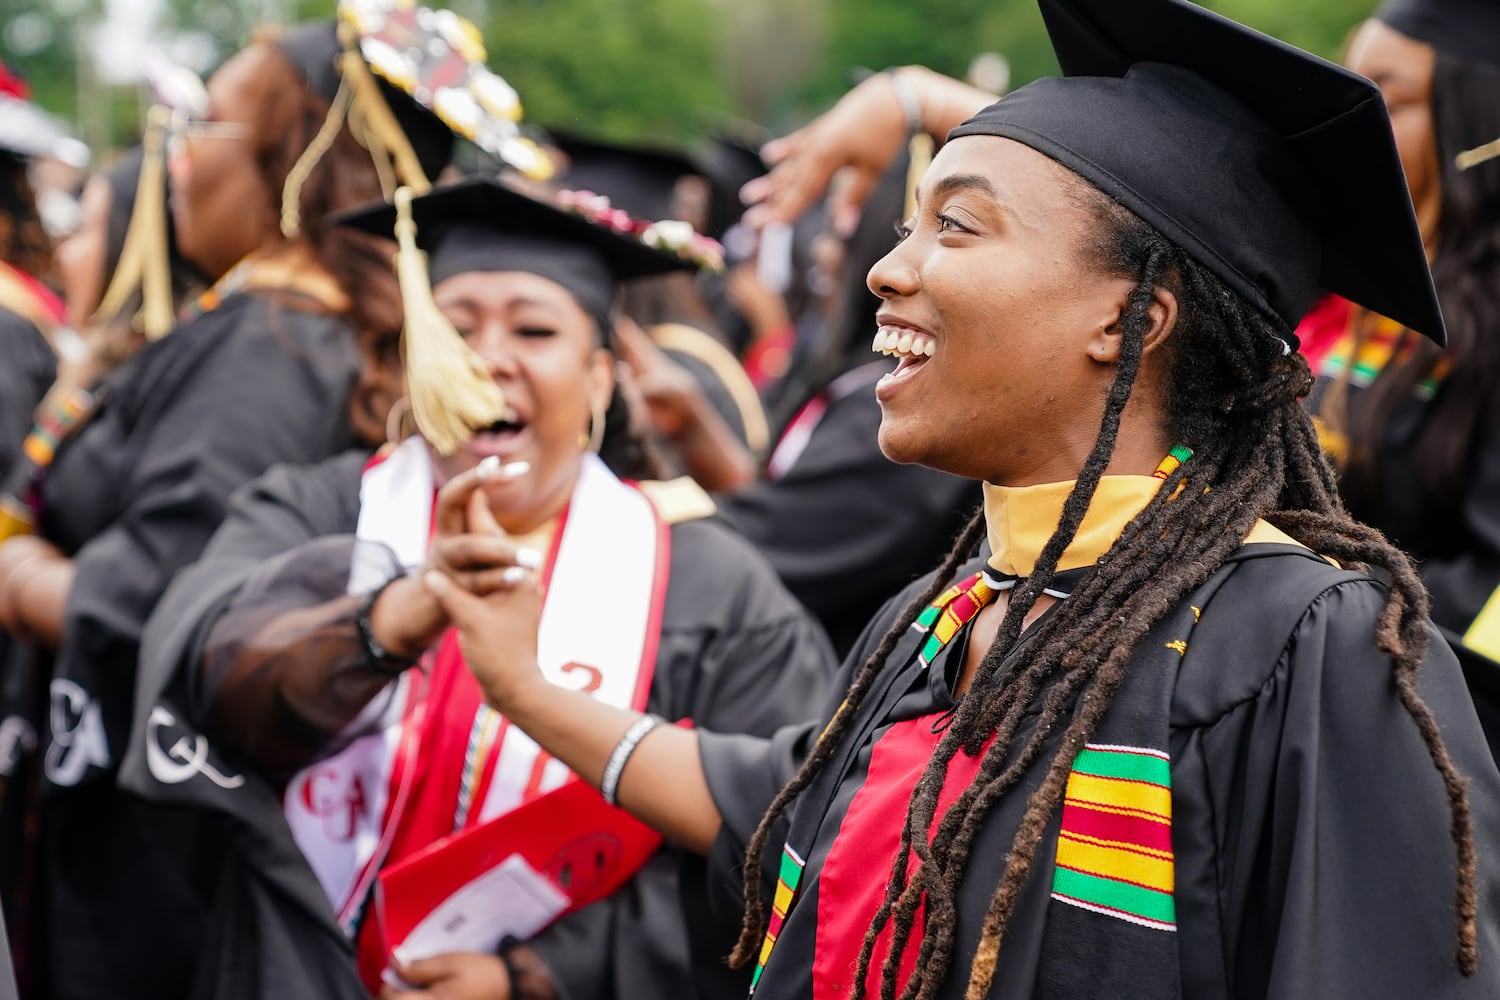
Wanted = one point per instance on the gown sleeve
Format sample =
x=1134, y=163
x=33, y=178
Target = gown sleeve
x=245, y=636
x=250, y=404
x=27, y=368
x=738, y=655
x=1311, y=826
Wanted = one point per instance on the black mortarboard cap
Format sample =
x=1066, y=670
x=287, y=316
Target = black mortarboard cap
x=314, y=50
x=639, y=179
x=482, y=225
x=1469, y=28
x=728, y=164
x=1273, y=168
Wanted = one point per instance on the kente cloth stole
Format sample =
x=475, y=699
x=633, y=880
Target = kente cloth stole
x=399, y=789
x=942, y=620
x=1111, y=919
x=1386, y=343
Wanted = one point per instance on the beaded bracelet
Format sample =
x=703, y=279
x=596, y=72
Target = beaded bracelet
x=911, y=104
x=609, y=783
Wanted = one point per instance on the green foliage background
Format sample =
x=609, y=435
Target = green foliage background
x=651, y=68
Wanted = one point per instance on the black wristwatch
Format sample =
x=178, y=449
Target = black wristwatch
x=379, y=657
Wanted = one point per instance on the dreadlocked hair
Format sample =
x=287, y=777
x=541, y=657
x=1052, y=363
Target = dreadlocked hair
x=1233, y=394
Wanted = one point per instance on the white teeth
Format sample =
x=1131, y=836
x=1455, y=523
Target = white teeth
x=903, y=342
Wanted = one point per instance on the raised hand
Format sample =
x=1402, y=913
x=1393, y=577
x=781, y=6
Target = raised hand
x=468, y=547
x=497, y=619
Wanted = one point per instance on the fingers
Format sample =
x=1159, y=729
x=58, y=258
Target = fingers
x=475, y=552
x=463, y=608
x=633, y=345
x=453, y=499
x=847, y=199
x=481, y=519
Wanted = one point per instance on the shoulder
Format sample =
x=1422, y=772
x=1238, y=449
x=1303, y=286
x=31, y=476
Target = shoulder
x=1280, y=609
x=719, y=580
x=333, y=479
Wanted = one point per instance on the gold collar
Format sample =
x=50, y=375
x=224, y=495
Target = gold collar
x=1021, y=519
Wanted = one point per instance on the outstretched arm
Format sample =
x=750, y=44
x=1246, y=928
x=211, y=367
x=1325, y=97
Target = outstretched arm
x=861, y=135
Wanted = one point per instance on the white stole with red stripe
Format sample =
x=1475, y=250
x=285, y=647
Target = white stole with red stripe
x=598, y=630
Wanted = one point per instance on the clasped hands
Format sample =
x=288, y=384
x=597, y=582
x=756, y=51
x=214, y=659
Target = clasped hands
x=475, y=579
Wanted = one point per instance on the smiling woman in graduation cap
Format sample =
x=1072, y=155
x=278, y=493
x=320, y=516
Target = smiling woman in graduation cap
x=305, y=646
x=1156, y=744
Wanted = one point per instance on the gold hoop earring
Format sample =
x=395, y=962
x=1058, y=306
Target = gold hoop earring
x=395, y=421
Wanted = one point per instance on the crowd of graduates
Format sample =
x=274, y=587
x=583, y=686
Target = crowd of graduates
x=1030, y=546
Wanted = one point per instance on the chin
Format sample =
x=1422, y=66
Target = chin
x=903, y=445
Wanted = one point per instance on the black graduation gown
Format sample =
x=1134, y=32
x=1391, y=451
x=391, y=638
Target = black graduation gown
x=1310, y=828
x=845, y=527
x=27, y=369
x=1459, y=558
x=132, y=498
x=736, y=652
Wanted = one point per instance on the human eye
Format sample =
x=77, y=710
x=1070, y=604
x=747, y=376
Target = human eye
x=948, y=224
x=532, y=330
x=903, y=230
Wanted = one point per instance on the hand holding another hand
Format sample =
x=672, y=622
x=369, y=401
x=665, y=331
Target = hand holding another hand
x=468, y=548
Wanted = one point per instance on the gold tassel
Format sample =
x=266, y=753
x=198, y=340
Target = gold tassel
x=143, y=260
x=322, y=142
x=920, y=158
x=380, y=120
x=449, y=386
x=1471, y=158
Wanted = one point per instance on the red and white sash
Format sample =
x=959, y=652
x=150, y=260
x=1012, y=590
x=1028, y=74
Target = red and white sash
x=433, y=749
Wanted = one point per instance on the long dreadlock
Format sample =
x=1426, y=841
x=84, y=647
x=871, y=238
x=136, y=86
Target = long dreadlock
x=1234, y=398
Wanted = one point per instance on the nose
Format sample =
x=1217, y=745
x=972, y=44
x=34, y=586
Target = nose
x=895, y=274
x=495, y=348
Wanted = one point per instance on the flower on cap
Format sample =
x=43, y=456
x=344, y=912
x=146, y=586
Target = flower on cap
x=458, y=109
x=494, y=94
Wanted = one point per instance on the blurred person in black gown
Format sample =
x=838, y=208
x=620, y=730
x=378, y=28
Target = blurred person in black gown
x=263, y=368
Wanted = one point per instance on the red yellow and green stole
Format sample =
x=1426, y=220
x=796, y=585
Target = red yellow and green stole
x=1114, y=848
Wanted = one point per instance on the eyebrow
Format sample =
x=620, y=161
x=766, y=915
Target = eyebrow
x=960, y=182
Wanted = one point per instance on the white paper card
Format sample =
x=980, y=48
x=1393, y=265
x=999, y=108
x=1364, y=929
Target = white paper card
x=509, y=900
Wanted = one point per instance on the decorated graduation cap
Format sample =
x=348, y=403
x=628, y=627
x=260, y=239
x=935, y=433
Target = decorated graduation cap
x=583, y=243
x=1236, y=147
x=1469, y=29
x=639, y=179
x=407, y=79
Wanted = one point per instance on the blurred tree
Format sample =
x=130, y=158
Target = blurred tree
x=947, y=35
x=630, y=68
x=627, y=68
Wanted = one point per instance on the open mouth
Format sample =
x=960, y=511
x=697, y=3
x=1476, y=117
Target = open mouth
x=911, y=347
x=501, y=437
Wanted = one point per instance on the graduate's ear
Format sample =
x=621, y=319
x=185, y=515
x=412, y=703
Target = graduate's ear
x=1161, y=315
x=599, y=376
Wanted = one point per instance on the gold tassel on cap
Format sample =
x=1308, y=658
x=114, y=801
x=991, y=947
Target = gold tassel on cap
x=448, y=385
x=1471, y=158
x=143, y=260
